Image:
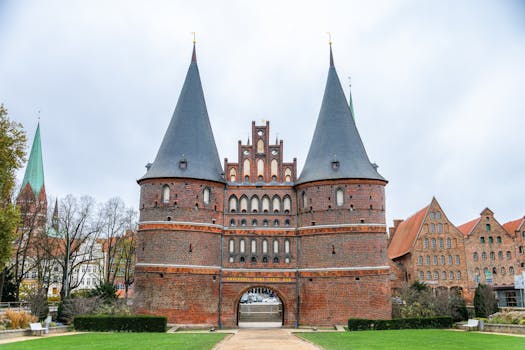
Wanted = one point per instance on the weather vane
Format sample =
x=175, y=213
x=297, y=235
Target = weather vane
x=329, y=38
x=194, y=41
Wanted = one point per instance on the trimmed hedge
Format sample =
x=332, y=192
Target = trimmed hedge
x=133, y=323
x=362, y=324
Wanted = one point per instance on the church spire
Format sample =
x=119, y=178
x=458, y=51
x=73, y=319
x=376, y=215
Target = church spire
x=188, y=149
x=336, y=151
x=34, y=175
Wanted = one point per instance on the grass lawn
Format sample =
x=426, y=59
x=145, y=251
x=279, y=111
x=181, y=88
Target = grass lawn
x=427, y=339
x=114, y=341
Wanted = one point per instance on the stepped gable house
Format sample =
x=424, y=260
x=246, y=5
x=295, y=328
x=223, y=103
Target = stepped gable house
x=207, y=235
x=428, y=248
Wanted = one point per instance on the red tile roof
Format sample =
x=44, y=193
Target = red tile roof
x=406, y=234
x=512, y=226
x=467, y=227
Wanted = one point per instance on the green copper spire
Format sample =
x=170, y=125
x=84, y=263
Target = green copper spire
x=34, y=174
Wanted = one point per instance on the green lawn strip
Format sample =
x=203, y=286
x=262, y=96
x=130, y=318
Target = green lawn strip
x=117, y=341
x=427, y=339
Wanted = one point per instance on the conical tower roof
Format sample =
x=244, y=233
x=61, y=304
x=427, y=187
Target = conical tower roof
x=34, y=175
x=336, y=151
x=188, y=149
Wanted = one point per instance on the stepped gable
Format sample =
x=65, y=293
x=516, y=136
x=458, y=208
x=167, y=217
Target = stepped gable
x=188, y=149
x=336, y=151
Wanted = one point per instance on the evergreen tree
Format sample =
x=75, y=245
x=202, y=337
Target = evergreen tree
x=485, y=303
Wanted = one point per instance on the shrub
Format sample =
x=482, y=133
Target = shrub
x=358, y=324
x=106, y=291
x=38, y=303
x=19, y=319
x=507, y=317
x=135, y=323
x=72, y=307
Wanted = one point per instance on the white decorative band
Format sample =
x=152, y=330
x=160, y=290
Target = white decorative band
x=340, y=225
x=179, y=265
x=203, y=224
x=349, y=268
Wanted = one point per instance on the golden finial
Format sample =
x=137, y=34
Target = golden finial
x=329, y=38
x=194, y=40
x=263, y=121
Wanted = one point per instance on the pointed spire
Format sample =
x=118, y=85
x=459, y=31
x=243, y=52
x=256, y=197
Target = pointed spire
x=188, y=148
x=336, y=151
x=54, y=219
x=194, y=53
x=350, y=102
x=34, y=175
x=331, y=56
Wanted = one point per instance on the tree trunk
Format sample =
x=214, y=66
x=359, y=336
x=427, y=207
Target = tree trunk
x=2, y=277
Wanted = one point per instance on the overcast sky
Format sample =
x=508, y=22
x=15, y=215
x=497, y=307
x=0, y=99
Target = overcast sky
x=437, y=88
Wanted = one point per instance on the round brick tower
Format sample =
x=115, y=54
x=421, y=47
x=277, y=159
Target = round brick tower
x=181, y=216
x=342, y=242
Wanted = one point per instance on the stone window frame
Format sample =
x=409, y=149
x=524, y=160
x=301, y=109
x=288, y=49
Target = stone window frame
x=166, y=193
x=206, y=192
x=449, y=243
x=339, y=197
x=420, y=260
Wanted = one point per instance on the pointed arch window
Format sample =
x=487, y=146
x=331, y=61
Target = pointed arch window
x=165, y=194
x=265, y=246
x=276, y=204
x=287, y=204
x=265, y=204
x=339, y=197
x=260, y=146
x=273, y=167
x=233, y=204
x=246, y=168
x=232, y=246
x=255, y=204
x=253, y=246
x=244, y=205
x=233, y=174
x=260, y=169
x=287, y=246
x=287, y=175
x=275, y=246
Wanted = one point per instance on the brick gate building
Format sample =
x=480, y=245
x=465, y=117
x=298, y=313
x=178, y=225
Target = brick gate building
x=207, y=234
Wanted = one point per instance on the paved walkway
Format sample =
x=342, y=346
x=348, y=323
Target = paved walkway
x=275, y=339
x=25, y=338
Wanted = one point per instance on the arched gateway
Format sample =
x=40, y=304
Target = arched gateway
x=260, y=307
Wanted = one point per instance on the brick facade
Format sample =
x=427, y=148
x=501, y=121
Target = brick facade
x=320, y=246
x=428, y=248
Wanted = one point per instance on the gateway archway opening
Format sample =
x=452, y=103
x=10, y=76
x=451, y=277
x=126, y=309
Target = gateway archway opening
x=260, y=307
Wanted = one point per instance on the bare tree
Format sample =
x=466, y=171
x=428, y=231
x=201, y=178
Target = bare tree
x=79, y=229
x=128, y=254
x=32, y=228
x=115, y=223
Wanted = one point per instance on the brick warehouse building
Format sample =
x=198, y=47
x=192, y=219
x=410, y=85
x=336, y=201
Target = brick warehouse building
x=207, y=235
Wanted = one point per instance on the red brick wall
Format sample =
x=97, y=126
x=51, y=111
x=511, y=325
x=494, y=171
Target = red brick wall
x=183, y=297
x=364, y=202
x=186, y=201
x=333, y=300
